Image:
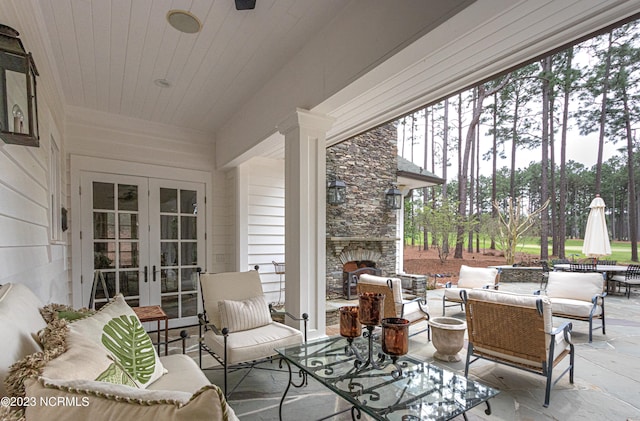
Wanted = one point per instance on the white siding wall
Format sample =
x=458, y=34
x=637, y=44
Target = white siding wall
x=27, y=255
x=106, y=136
x=265, y=221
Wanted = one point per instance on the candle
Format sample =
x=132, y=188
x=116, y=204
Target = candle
x=371, y=308
x=350, y=326
x=395, y=336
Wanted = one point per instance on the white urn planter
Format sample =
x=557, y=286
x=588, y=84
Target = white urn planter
x=447, y=334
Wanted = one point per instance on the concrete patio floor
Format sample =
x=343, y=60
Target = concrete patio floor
x=606, y=386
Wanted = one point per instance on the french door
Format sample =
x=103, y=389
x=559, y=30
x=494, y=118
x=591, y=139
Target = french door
x=145, y=237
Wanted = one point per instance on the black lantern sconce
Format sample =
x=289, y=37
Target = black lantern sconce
x=393, y=197
x=18, y=101
x=336, y=192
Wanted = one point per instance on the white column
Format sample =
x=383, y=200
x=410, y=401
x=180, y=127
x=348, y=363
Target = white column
x=305, y=216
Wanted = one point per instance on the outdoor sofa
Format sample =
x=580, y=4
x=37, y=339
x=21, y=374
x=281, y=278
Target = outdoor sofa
x=59, y=371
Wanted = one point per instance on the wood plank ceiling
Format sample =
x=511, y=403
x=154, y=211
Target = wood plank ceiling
x=109, y=53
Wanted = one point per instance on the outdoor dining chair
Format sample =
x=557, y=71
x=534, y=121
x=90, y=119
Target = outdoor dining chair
x=630, y=278
x=582, y=267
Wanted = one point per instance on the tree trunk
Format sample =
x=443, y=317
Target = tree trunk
x=494, y=159
x=633, y=213
x=603, y=113
x=544, y=188
x=562, y=207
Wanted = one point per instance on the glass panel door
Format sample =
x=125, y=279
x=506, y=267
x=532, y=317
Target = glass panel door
x=115, y=236
x=146, y=237
x=178, y=245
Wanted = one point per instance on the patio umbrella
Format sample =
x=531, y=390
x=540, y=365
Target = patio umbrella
x=596, y=236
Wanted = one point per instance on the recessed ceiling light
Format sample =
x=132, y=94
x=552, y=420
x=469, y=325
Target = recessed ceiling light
x=163, y=83
x=184, y=21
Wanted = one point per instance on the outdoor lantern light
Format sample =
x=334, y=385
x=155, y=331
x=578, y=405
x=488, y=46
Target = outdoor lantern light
x=394, y=197
x=18, y=103
x=336, y=192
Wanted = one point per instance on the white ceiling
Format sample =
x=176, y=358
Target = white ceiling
x=362, y=62
x=108, y=54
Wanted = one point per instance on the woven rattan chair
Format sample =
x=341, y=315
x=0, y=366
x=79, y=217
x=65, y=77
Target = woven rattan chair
x=470, y=277
x=631, y=278
x=517, y=330
x=395, y=305
x=236, y=327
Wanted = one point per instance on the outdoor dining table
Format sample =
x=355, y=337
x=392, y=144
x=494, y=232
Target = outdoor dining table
x=607, y=270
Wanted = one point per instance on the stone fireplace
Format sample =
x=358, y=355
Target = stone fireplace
x=362, y=232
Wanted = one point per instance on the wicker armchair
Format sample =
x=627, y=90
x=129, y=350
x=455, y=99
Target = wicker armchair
x=395, y=305
x=517, y=330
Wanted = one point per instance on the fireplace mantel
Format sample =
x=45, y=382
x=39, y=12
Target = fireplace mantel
x=382, y=244
x=363, y=239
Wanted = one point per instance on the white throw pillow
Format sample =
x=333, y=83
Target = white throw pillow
x=118, y=331
x=244, y=315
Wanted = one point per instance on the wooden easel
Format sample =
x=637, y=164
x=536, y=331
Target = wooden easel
x=97, y=276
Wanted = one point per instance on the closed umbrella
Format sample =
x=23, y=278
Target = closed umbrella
x=596, y=236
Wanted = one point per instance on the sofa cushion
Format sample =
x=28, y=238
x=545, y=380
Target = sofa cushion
x=97, y=401
x=472, y=277
x=118, y=331
x=574, y=285
x=183, y=374
x=244, y=315
x=253, y=344
x=574, y=308
x=19, y=321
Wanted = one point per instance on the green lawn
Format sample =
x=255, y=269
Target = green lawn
x=620, y=250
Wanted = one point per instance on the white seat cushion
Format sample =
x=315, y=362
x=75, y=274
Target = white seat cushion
x=453, y=294
x=183, y=375
x=249, y=345
x=472, y=277
x=573, y=307
x=574, y=285
x=413, y=313
x=20, y=320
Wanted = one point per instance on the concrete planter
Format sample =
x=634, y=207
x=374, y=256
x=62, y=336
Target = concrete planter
x=447, y=335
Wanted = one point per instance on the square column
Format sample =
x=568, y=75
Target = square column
x=305, y=216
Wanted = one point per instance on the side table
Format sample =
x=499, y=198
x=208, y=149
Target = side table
x=157, y=314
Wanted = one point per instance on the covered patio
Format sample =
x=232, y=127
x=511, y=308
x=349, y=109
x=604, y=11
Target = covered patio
x=246, y=121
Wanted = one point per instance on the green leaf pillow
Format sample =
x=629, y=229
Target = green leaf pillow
x=117, y=329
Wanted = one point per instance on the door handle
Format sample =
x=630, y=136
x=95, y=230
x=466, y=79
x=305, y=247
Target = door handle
x=154, y=273
x=146, y=274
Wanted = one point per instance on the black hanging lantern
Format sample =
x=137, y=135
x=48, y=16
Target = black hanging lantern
x=394, y=198
x=336, y=192
x=18, y=102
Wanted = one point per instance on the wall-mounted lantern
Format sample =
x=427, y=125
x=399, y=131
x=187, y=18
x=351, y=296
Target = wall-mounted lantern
x=18, y=101
x=336, y=192
x=393, y=197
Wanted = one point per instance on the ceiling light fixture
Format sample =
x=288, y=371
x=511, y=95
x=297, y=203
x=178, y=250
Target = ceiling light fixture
x=184, y=21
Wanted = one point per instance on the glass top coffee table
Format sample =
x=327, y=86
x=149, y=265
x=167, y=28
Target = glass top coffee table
x=405, y=390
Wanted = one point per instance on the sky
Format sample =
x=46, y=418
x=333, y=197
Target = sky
x=582, y=149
